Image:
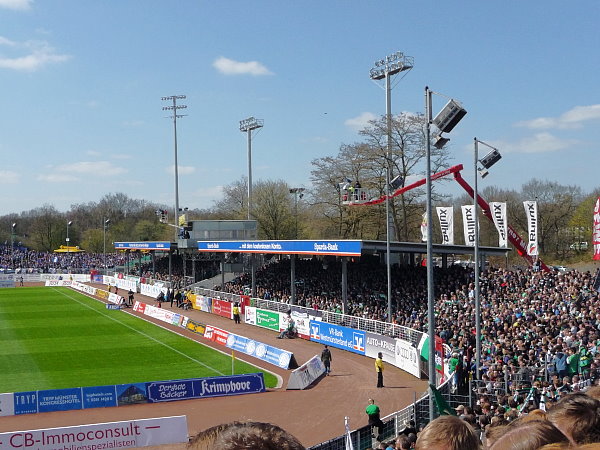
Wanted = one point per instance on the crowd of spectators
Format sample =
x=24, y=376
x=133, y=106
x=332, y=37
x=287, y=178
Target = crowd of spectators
x=22, y=260
x=540, y=330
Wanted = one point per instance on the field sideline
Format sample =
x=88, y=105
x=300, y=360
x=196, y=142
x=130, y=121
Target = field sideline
x=52, y=338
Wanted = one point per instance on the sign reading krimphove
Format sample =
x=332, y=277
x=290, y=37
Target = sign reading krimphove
x=142, y=245
x=340, y=248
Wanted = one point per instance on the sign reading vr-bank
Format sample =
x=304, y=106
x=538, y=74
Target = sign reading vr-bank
x=338, y=336
x=340, y=248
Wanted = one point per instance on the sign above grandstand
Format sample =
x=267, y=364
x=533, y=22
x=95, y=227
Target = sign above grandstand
x=339, y=248
x=142, y=245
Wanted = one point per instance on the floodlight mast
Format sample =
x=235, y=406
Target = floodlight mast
x=445, y=121
x=247, y=126
x=175, y=107
x=488, y=161
x=386, y=68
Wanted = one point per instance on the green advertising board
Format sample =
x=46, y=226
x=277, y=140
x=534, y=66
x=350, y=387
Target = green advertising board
x=267, y=319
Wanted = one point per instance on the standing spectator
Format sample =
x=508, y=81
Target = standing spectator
x=236, y=312
x=573, y=361
x=130, y=298
x=379, y=369
x=560, y=362
x=375, y=422
x=326, y=359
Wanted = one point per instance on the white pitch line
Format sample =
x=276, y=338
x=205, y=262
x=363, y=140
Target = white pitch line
x=142, y=333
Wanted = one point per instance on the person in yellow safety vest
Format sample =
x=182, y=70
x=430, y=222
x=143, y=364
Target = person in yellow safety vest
x=379, y=369
x=236, y=312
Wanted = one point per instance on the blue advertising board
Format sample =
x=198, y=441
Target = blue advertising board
x=340, y=248
x=59, y=400
x=25, y=402
x=167, y=391
x=265, y=352
x=338, y=336
x=99, y=396
x=142, y=245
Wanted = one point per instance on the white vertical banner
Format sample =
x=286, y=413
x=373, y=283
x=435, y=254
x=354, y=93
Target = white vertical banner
x=424, y=227
x=498, y=210
x=469, y=224
x=596, y=231
x=446, y=216
x=532, y=227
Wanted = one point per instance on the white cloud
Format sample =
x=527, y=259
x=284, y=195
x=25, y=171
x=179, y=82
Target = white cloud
x=360, y=122
x=538, y=143
x=90, y=168
x=230, y=67
x=33, y=55
x=8, y=177
x=182, y=170
x=22, y=5
x=57, y=178
x=572, y=119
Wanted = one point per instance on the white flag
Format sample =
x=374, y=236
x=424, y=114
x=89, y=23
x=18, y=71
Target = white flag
x=469, y=224
x=596, y=232
x=446, y=216
x=424, y=227
x=532, y=227
x=349, y=444
x=498, y=210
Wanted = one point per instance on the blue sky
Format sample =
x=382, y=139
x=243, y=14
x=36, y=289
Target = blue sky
x=82, y=83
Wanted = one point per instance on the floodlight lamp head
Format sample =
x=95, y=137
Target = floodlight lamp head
x=490, y=159
x=69, y=223
x=483, y=172
x=449, y=116
x=440, y=141
x=107, y=221
x=14, y=225
x=397, y=182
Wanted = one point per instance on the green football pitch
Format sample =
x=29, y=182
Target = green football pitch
x=54, y=337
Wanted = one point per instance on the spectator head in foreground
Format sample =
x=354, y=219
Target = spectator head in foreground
x=529, y=435
x=448, y=433
x=578, y=416
x=245, y=436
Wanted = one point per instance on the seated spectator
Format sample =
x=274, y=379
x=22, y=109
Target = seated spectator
x=245, y=436
x=529, y=435
x=448, y=433
x=578, y=416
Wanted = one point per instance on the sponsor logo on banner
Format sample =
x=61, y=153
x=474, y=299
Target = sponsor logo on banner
x=338, y=336
x=99, y=396
x=377, y=343
x=222, y=308
x=424, y=227
x=25, y=402
x=596, y=231
x=250, y=315
x=469, y=224
x=532, y=227
x=127, y=434
x=196, y=327
x=305, y=375
x=166, y=391
x=216, y=335
x=267, y=319
x=446, y=216
x=59, y=400
x=302, y=322
x=407, y=357
x=265, y=352
x=498, y=211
